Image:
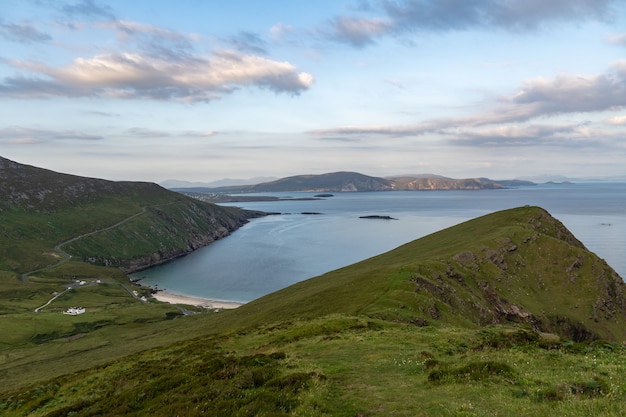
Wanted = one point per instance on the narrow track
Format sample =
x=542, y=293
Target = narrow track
x=66, y=256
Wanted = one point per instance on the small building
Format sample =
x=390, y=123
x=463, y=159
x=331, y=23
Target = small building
x=74, y=311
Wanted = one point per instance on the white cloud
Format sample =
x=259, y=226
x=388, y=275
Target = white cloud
x=145, y=133
x=525, y=135
x=411, y=16
x=88, y=8
x=358, y=31
x=128, y=31
x=280, y=30
x=539, y=97
x=617, y=120
x=618, y=39
x=137, y=75
x=23, y=33
x=20, y=135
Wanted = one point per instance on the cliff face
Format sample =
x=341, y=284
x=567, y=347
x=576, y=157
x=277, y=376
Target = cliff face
x=423, y=184
x=162, y=233
x=185, y=236
x=165, y=255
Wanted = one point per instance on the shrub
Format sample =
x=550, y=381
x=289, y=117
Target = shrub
x=474, y=371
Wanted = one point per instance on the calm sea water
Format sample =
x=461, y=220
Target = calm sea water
x=273, y=252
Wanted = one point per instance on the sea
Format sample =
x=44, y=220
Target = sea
x=273, y=252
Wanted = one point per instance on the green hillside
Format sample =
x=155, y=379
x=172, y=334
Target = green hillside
x=514, y=266
x=507, y=314
x=67, y=241
x=126, y=224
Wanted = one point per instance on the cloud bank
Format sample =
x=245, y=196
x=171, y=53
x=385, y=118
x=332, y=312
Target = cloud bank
x=536, y=98
x=23, y=33
x=160, y=65
x=412, y=16
x=20, y=135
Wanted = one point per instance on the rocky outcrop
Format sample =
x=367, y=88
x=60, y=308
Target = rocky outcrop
x=157, y=258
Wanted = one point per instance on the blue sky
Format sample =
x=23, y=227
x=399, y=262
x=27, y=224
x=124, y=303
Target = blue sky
x=204, y=90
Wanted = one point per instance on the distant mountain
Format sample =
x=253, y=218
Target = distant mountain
x=226, y=182
x=424, y=183
x=352, y=181
x=331, y=182
x=563, y=179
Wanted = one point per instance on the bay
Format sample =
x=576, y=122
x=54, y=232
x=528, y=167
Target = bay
x=276, y=251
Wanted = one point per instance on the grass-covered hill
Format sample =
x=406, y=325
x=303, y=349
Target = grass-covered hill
x=127, y=224
x=507, y=314
x=515, y=266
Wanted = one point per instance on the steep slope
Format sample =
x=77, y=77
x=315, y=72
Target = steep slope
x=514, y=266
x=127, y=224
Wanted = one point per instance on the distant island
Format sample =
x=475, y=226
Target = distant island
x=325, y=184
x=353, y=181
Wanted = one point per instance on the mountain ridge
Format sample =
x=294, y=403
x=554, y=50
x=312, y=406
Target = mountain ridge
x=345, y=181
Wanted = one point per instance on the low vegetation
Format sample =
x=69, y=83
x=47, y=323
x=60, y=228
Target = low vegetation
x=507, y=314
x=345, y=366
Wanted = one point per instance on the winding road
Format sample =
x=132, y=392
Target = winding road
x=66, y=257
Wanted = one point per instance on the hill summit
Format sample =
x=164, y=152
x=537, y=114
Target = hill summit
x=515, y=266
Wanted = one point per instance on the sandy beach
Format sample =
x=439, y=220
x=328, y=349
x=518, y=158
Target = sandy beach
x=167, y=297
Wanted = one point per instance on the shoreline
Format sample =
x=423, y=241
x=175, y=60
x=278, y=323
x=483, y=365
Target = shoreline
x=168, y=297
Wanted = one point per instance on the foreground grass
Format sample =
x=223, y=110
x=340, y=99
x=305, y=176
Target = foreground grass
x=345, y=366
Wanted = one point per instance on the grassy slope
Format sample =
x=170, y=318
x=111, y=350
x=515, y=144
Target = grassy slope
x=164, y=223
x=356, y=340
x=40, y=209
x=519, y=254
x=344, y=366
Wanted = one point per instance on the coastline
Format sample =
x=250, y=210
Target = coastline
x=172, y=298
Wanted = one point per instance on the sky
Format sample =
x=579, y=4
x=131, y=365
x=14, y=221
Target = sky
x=205, y=90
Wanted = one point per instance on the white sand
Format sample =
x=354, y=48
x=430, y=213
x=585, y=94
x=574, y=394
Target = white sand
x=167, y=297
